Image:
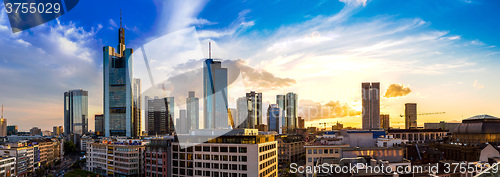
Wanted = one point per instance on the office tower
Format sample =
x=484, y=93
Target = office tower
x=61, y=130
x=56, y=131
x=136, y=121
x=254, y=105
x=291, y=105
x=160, y=115
x=35, y=131
x=301, y=123
x=215, y=94
x=118, y=89
x=242, y=107
x=76, y=112
x=410, y=115
x=371, y=105
x=182, y=123
x=280, y=101
x=12, y=130
x=385, y=121
x=273, y=117
x=193, y=111
x=99, y=124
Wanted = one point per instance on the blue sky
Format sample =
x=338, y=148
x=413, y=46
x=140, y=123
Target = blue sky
x=445, y=51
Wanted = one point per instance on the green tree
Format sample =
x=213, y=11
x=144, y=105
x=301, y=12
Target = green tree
x=69, y=147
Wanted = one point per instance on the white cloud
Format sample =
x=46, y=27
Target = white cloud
x=113, y=23
x=477, y=85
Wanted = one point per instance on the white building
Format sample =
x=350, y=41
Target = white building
x=7, y=166
x=242, y=155
x=389, y=141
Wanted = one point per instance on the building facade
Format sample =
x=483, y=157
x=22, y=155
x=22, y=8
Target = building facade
x=242, y=106
x=273, y=117
x=158, y=158
x=193, y=111
x=116, y=158
x=290, y=148
x=35, y=131
x=417, y=135
x=118, y=89
x=76, y=112
x=385, y=121
x=215, y=95
x=136, y=120
x=254, y=105
x=291, y=107
x=410, y=115
x=12, y=130
x=228, y=155
x=99, y=124
x=370, y=93
x=160, y=115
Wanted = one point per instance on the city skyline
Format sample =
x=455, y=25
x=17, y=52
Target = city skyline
x=448, y=66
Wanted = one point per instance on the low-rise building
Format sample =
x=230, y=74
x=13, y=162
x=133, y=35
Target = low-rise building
x=290, y=148
x=116, y=158
x=158, y=158
x=418, y=135
x=7, y=166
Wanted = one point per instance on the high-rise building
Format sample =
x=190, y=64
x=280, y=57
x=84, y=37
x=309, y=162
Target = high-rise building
x=242, y=107
x=273, y=117
x=280, y=100
x=234, y=115
x=76, y=112
x=371, y=105
x=118, y=89
x=136, y=121
x=385, y=121
x=35, y=131
x=291, y=105
x=215, y=94
x=182, y=123
x=254, y=105
x=3, y=125
x=12, y=130
x=193, y=111
x=160, y=115
x=99, y=124
x=301, y=123
x=410, y=115
x=56, y=131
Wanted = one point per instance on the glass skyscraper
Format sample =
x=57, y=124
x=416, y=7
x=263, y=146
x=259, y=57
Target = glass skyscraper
x=118, y=89
x=160, y=115
x=254, y=102
x=273, y=117
x=371, y=105
x=291, y=104
x=215, y=95
x=136, y=121
x=193, y=111
x=76, y=112
x=242, y=107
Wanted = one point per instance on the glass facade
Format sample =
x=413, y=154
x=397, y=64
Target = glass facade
x=273, y=117
x=215, y=94
x=193, y=111
x=160, y=115
x=76, y=112
x=291, y=103
x=118, y=90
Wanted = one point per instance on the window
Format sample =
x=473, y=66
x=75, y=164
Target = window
x=223, y=149
x=336, y=151
x=315, y=151
x=197, y=148
x=233, y=149
x=320, y=151
x=215, y=149
x=206, y=148
x=243, y=150
x=331, y=151
x=326, y=151
x=309, y=159
x=309, y=151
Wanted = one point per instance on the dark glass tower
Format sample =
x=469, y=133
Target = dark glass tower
x=215, y=94
x=160, y=115
x=371, y=105
x=76, y=112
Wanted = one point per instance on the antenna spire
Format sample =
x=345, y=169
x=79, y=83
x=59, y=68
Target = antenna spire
x=209, y=50
x=120, y=18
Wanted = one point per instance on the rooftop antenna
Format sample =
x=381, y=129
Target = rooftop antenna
x=209, y=50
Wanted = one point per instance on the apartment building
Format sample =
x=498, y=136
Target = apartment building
x=116, y=158
x=290, y=148
x=7, y=166
x=237, y=153
x=158, y=158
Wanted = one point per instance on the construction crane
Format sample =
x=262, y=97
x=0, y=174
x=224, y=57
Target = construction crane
x=425, y=114
x=230, y=118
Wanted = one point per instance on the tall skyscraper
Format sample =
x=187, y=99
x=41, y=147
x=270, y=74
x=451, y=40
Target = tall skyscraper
x=273, y=117
x=254, y=105
x=280, y=101
x=118, y=89
x=99, y=125
x=56, y=131
x=193, y=111
x=3, y=126
x=385, y=122
x=160, y=115
x=215, y=94
x=242, y=107
x=76, y=112
x=136, y=121
x=291, y=105
x=410, y=115
x=371, y=105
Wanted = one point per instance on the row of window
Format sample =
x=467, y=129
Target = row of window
x=322, y=151
x=267, y=147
